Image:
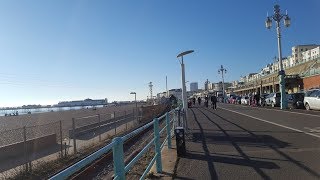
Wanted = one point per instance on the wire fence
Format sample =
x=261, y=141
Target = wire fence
x=23, y=148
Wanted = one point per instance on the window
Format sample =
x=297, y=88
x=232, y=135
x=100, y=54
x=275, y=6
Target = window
x=315, y=93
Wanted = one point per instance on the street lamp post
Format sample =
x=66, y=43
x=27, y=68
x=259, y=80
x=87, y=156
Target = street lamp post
x=183, y=81
x=277, y=18
x=222, y=70
x=135, y=98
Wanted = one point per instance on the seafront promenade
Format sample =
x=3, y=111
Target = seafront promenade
x=241, y=142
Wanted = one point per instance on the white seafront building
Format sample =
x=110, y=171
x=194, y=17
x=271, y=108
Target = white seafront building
x=300, y=54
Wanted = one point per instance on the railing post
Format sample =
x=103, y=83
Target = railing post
x=25, y=147
x=118, y=158
x=61, y=144
x=126, y=120
x=99, y=129
x=74, y=136
x=115, y=124
x=157, y=145
x=133, y=115
x=168, y=130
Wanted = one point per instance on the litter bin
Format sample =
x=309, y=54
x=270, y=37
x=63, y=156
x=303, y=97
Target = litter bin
x=180, y=141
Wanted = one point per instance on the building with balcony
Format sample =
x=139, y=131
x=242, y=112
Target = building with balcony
x=297, y=56
x=311, y=54
x=302, y=70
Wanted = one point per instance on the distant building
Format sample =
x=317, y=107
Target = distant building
x=162, y=94
x=194, y=86
x=297, y=56
x=311, y=54
x=215, y=87
x=176, y=92
x=86, y=102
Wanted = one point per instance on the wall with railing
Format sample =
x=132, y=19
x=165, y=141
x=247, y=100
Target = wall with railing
x=116, y=146
x=26, y=149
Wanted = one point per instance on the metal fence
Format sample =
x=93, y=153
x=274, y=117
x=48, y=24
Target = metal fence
x=90, y=130
x=120, y=169
x=20, y=147
x=26, y=147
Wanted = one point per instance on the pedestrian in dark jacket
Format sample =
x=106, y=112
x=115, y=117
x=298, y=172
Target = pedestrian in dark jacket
x=214, y=102
x=206, y=101
x=199, y=101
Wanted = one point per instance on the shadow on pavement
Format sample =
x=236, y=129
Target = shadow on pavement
x=235, y=161
x=242, y=139
x=269, y=145
x=245, y=157
x=202, y=138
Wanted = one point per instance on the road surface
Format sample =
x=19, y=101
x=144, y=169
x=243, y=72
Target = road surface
x=241, y=142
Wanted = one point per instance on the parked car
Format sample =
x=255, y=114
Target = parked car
x=273, y=99
x=307, y=93
x=312, y=100
x=245, y=100
x=295, y=100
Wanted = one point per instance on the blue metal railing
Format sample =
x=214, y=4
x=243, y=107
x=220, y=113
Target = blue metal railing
x=120, y=169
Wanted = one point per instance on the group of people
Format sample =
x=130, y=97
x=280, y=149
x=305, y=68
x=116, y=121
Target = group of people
x=213, y=100
x=254, y=100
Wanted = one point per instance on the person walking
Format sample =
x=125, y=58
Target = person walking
x=199, y=101
x=194, y=100
x=258, y=99
x=206, y=101
x=214, y=102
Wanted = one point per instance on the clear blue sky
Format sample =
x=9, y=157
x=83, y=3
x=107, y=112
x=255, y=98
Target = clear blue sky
x=68, y=50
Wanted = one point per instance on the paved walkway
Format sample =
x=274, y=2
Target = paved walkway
x=222, y=144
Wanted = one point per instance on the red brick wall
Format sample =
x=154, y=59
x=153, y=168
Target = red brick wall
x=311, y=82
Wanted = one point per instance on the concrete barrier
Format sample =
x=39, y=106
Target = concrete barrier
x=32, y=145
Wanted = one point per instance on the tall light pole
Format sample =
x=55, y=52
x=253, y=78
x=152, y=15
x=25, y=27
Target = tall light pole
x=222, y=70
x=183, y=81
x=277, y=18
x=135, y=98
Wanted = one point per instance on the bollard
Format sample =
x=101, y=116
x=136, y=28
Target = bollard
x=118, y=158
x=168, y=130
x=157, y=145
x=180, y=141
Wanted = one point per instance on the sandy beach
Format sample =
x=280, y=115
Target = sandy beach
x=14, y=122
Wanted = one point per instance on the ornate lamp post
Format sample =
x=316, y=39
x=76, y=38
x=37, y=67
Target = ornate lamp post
x=277, y=17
